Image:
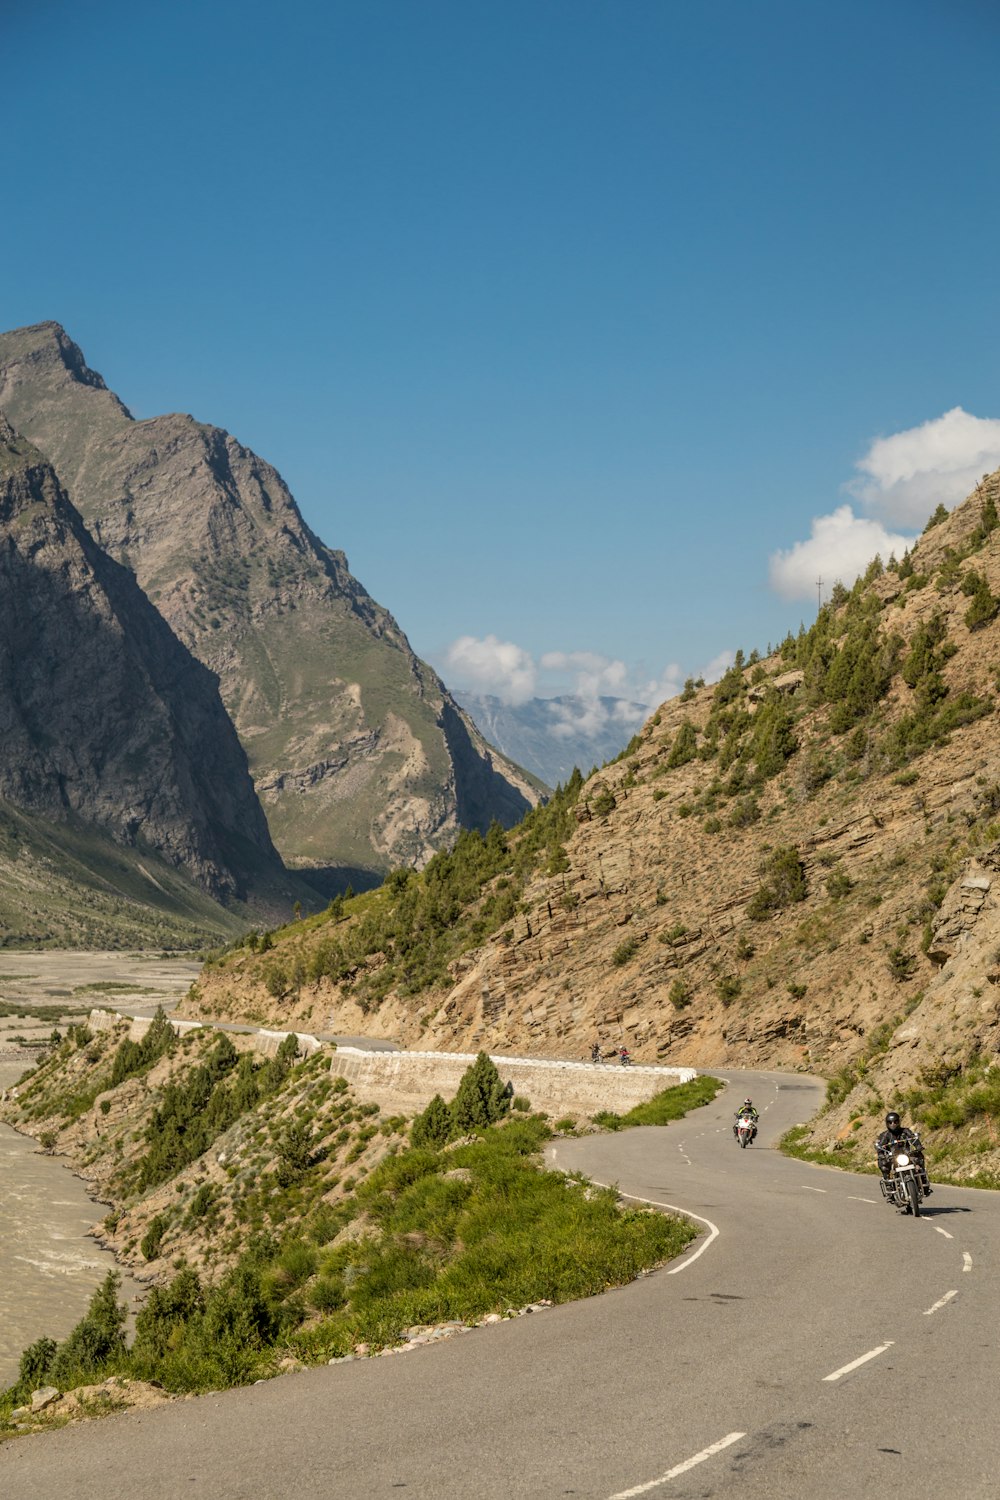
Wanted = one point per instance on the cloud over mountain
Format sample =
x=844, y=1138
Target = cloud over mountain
x=840, y=546
x=504, y=670
x=903, y=477
x=900, y=480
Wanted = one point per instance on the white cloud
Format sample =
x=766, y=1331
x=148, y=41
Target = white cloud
x=593, y=675
x=717, y=666
x=509, y=672
x=904, y=477
x=491, y=666
x=901, y=480
x=840, y=547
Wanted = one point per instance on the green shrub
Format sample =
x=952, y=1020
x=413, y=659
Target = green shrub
x=984, y=607
x=671, y=1104
x=153, y=1238
x=98, y=1340
x=482, y=1097
x=433, y=1127
x=679, y=995
x=783, y=884
x=684, y=747
x=625, y=951
x=838, y=885
x=901, y=964
x=728, y=988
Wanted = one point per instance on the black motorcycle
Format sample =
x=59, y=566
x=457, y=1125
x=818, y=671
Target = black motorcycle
x=904, y=1187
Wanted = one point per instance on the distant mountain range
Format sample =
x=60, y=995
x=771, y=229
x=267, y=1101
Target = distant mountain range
x=361, y=757
x=549, y=736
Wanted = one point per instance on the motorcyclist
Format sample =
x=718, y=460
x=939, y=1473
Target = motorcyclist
x=899, y=1137
x=746, y=1108
x=624, y=1057
x=595, y=1052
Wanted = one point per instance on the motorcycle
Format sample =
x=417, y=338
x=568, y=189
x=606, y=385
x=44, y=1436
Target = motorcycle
x=744, y=1131
x=595, y=1054
x=903, y=1188
x=624, y=1058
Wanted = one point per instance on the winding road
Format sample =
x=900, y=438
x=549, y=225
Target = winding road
x=812, y=1344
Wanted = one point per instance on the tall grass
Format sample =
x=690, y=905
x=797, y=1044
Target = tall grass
x=437, y=1235
x=670, y=1104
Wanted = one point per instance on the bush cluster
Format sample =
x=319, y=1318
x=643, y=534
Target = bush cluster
x=482, y=1099
x=445, y=1235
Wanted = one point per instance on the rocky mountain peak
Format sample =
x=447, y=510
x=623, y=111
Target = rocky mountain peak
x=105, y=718
x=360, y=755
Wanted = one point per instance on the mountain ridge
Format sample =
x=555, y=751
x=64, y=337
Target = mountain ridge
x=106, y=720
x=763, y=880
x=361, y=756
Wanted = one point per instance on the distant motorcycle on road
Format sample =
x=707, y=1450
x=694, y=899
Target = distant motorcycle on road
x=904, y=1187
x=624, y=1057
x=744, y=1131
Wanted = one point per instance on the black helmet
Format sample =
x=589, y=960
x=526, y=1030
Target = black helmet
x=892, y=1120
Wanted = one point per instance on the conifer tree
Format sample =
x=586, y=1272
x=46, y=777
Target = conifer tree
x=432, y=1127
x=482, y=1097
x=684, y=747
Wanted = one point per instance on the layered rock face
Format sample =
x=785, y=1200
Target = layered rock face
x=667, y=920
x=105, y=717
x=360, y=756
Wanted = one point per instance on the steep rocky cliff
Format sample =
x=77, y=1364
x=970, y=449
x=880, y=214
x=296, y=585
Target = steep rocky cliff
x=759, y=880
x=107, y=723
x=360, y=756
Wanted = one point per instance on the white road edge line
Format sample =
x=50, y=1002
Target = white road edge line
x=687, y=1214
x=689, y=1463
x=944, y=1232
x=806, y=1189
x=872, y=1354
x=945, y=1299
x=967, y=1261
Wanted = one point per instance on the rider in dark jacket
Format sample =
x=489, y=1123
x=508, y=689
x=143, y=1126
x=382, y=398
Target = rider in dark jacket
x=899, y=1137
x=746, y=1108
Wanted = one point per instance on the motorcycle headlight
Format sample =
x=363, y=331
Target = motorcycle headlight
x=902, y=1160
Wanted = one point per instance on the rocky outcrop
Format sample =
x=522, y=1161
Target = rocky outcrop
x=957, y=919
x=106, y=720
x=361, y=757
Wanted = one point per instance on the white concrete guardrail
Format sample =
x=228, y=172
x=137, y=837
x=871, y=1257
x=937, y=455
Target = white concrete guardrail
x=408, y=1080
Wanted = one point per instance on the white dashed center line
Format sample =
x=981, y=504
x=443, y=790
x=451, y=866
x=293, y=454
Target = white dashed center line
x=861, y=1200
x=967, y=1261
x=941, y=1303
x=872, y=1354
x=689, y=1463
x=806, y=1189
x=939, y=1230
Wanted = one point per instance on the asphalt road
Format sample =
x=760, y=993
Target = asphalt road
x=813, y=1343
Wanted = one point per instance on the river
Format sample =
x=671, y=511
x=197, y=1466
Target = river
x=48, y=1265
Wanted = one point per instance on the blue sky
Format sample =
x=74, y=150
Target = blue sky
x=570, y=322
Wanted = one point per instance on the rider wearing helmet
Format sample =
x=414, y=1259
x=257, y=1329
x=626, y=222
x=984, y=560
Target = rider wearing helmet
x=746, y=1108
x=899, y=1137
